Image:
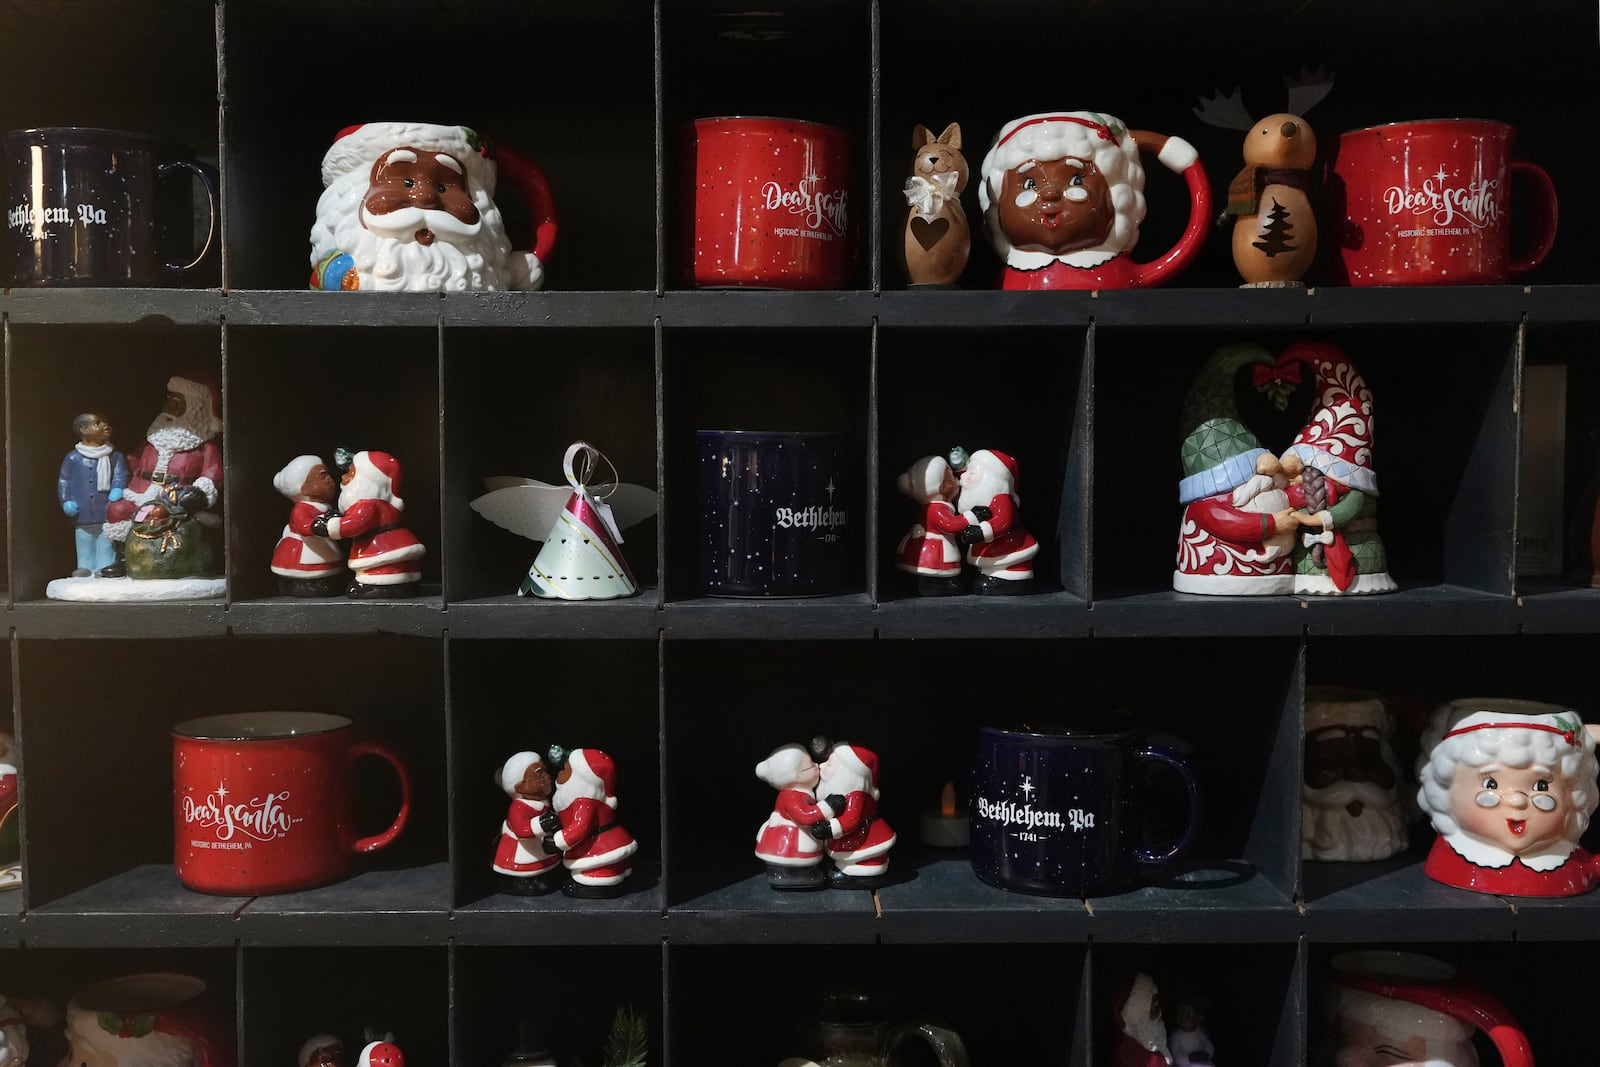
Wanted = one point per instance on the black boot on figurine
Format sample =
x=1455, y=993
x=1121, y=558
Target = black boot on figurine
x=328, y=585
x=929, y=586
x=812, y=877
x=994, y=585
x=117, y=568
x=536, y=885
x=583, y=891
x=839, y=880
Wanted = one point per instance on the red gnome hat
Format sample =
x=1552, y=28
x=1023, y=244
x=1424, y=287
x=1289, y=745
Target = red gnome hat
x=1337, y=439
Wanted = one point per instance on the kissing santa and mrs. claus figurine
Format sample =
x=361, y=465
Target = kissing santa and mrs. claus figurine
x=1510, y=786
x=968, y=505
x=362, y=509
x=562, y=817
x=824, y=811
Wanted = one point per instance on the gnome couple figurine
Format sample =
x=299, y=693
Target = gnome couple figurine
x=967, y=504
x=384, y=557
x=1304, y=522
x=824, y=810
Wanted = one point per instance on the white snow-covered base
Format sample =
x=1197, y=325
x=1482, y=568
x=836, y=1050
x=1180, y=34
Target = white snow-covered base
x=133, y=591
x=1321, y=585
x=10, y=876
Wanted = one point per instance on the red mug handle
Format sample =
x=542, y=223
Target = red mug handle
x=530, y=180
x=377, y=841
x=1178, y=156
x=1465, y=1003
x=1545, y=214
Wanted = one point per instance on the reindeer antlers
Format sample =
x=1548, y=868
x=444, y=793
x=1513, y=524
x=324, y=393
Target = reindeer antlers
x=1306, y=91
x=1225, y=111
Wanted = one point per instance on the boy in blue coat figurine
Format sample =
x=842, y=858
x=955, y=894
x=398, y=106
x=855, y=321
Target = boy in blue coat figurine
x=92, y=476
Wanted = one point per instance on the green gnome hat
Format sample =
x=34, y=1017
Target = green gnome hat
x=1219, y=452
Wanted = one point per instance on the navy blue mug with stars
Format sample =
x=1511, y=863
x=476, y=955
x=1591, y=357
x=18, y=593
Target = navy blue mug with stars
x=1061, y=812
x=777, y=513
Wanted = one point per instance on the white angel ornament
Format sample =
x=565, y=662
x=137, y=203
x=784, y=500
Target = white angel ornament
x=580, y=524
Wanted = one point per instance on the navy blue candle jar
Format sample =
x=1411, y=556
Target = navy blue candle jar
x=1060, y=812
x=777, y=513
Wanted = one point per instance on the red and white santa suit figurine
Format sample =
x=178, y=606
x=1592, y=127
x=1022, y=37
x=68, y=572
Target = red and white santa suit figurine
x=858, y=839
x=1237, y=534
x=1141, y=1040
x=787, y=842
x=595, y=849
x=1063, y=196
x=180, y=463
x=996, y=541
x=928, y=550
x=381, y=1054
x=306, y=564
x=521, y=857
x=383, y=553
x=321, y=1050
x=1510, y=786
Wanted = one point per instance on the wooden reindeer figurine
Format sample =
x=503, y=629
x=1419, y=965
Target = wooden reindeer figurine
x=1273, y=202
x=938, y=239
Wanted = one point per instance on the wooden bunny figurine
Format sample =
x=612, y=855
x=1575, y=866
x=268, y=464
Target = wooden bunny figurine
x=1273, y=201
x=938, y=239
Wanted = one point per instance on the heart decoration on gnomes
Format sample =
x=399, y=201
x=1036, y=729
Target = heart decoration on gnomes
x=580, y=525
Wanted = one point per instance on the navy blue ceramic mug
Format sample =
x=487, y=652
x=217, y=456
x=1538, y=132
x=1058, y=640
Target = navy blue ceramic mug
x=1061, y=812
x=776, y=513
x=104, y=207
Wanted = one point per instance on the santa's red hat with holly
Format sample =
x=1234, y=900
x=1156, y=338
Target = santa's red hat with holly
x=595, y=767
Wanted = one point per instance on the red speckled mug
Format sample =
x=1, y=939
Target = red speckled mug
x=770, y=205
x=1429, y=203
x=263, y=802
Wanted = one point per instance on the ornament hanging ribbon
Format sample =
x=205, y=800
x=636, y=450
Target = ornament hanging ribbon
x=579, y=474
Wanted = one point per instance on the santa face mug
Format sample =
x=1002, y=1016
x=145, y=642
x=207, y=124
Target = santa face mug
x=1060, y=812
x=149, y=1020
x=1510, y=786
x=409, y=207
x=264, y=802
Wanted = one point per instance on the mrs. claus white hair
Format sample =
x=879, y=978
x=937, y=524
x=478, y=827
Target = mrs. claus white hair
x=1101, y=139
x=1513, y=746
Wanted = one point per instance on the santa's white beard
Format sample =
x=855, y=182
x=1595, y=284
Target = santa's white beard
x=1262, y=495
x=1149, y=1032
x=982, y=490
x=169, y=434
x=360, y=488
x=388, y=257
x=843, y=782
x=1329, y=832
x=576, y=788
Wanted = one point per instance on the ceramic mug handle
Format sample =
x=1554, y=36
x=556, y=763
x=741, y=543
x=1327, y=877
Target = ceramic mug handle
x=946, y=1043
x=1545, y=214
x=1167, y=853
x=383, y=840
x=1463, y=1002
x=530, y=179
x=208, y=178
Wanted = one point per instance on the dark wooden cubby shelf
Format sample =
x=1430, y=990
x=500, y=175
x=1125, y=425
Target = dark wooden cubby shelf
x=689, y=692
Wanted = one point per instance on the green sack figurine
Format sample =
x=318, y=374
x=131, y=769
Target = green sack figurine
x=171, y=545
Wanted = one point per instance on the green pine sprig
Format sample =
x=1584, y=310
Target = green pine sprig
x=628, y=1043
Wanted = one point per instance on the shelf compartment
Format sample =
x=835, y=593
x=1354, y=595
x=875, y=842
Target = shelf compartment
x=491, y=992
x=48, y=619
x=846, y=617
x=142, y=906
x=1411, y=610
x=304, y=308
x=1403, y=904
x=1042, y=615
x=749, y=309
x=514, y=403
x=510, y=616
x=288, y=1000
x=420, y=616
x=635, y=918
x=406, y=906
x=100, y=307
x=751, y=911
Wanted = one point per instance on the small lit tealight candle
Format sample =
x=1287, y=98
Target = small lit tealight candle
x=944, y=826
